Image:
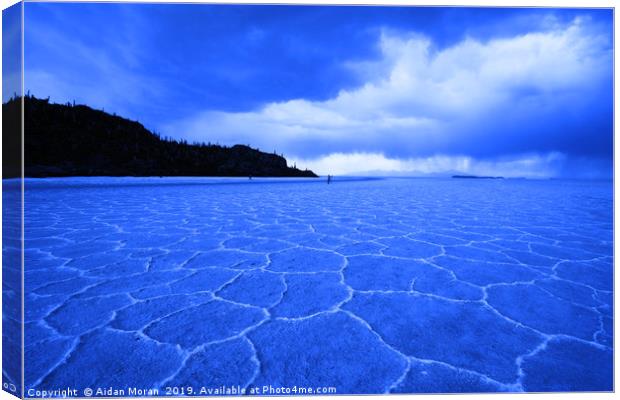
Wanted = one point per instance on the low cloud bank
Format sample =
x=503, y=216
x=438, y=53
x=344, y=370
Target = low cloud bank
x=538, y=166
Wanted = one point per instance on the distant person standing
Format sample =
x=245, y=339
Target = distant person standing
x=329, y=179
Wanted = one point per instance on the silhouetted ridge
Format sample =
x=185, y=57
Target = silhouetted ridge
x=76, y=140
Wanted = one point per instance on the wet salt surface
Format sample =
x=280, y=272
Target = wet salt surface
x=370, y=286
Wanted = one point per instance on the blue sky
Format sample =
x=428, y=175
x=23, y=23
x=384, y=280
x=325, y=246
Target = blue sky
x=387, y=90
x=11, y=52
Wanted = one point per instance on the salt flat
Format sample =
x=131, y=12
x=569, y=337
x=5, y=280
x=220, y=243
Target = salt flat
x=368, y=286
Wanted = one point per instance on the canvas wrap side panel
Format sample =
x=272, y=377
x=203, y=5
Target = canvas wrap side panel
x=12, y=185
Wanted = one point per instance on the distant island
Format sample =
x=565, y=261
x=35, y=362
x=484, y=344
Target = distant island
x=76, y=140
x=476, y=177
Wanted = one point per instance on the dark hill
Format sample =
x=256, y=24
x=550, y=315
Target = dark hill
x=76, y=140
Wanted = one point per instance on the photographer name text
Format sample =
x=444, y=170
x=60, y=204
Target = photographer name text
x=177, y=391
